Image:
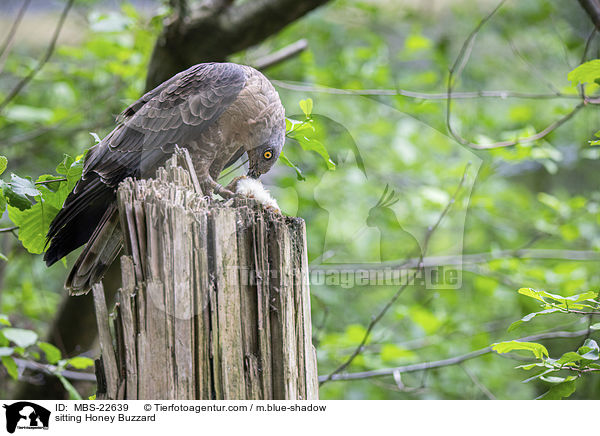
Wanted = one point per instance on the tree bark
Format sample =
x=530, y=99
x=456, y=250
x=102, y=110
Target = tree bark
x=212, y=33
x=592, y=8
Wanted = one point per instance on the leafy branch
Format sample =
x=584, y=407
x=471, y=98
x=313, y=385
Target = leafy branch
x=32, y=205
x=20, y=349
x=579, y=362
x=424, y=366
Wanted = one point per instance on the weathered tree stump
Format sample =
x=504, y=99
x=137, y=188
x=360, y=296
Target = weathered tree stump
x=214, y=302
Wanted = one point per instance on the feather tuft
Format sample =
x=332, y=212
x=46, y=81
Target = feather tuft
x=253, y=188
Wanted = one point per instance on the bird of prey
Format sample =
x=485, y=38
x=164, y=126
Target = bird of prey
x=218, y=111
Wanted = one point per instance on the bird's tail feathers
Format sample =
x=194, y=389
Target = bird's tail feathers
x=98, y=255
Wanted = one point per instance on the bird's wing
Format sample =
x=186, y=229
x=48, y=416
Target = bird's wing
x=175, y=112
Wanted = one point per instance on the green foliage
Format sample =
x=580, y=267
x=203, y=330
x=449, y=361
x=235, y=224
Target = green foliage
x=539, y=351
x=22, y=343
x=3, y=164
x=305, y=134
x=33, y=206
x=574, y=363
x=53, y=354
x=588, y=72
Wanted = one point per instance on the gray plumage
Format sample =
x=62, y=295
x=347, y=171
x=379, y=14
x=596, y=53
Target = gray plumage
x=218, y=111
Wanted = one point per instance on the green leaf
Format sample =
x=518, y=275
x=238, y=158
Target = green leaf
x=53, y=354
x=555, y=379
x=566, y=302
x=568, y=357
x=538, y=350
x=559, y=391
x=80, y=362
x=310, y=144
x=286, y=161
x=4, y=320
x=18, y=192
x=21, y=337
x=307, y=107
x=64, y=166
x=529, y=366
x=3, y=164
x=11, y=367
x=595, y=326
x=587, y=72
x=589, y=350
x=34, y=223
x=23, y=187
x=72, y=169
x=530, y=316
x=73, y=394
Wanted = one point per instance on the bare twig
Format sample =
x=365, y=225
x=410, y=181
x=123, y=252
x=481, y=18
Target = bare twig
x=477, y=382
x=588, y=43
x=10, y=38
x=456, y=70
x=375, y=320
x=53, y=370
x=23, y=82
x=9, y=229
x=435, y=261
x=533, y=70
x=307, y=87
x=446, y=362
x=282, y=55
x=47, y=182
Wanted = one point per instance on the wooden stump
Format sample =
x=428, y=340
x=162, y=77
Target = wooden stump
x=214, y=302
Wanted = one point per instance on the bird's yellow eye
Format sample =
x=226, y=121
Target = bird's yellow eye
x=267, y=154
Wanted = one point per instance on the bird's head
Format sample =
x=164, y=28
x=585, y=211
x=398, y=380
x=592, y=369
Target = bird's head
x=262, y=157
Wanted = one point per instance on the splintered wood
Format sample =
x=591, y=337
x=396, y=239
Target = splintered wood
x=214, y=301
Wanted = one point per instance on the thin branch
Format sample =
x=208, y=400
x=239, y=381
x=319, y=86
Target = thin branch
x=52, y=370
x=435, y=261
x=307, y=87
x=446, y=362
x=282, y=55
x=533, y=70
x=588, y=44
x=499, y=144
x=47, y=182
x=9, y=229
x=456, y=70
x=23, y=82
x=375, y=320
x=10, y=38
x=477, y=382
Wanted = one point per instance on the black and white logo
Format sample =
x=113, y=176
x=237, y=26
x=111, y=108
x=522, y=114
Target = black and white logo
x=26, y=415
